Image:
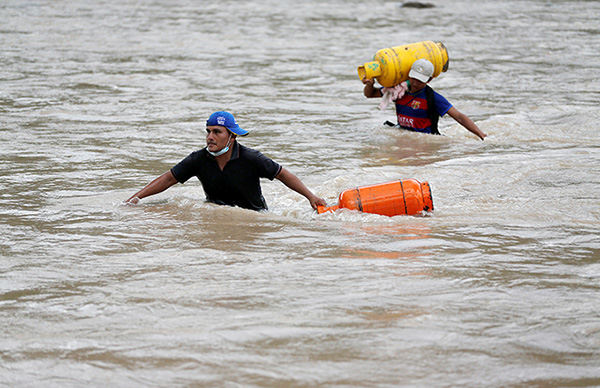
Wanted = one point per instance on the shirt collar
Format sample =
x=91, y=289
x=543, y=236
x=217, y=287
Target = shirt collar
x=235, y=152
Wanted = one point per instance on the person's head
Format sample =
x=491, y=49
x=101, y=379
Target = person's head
x=421, y=72
x=226, y=120
x=221, y=129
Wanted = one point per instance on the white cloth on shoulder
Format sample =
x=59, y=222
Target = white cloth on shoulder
x=392, y=94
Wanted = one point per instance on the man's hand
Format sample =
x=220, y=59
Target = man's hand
x=368, y=81
x=317, y=201
x=132, y=201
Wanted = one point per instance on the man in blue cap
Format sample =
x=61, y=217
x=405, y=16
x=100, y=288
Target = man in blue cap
x=229, y=172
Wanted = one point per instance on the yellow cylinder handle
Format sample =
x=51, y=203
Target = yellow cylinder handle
x=369, y=70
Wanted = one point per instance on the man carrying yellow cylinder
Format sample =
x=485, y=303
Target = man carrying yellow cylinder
x=418, y=106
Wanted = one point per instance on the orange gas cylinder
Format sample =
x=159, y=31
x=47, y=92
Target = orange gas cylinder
x=406, y=196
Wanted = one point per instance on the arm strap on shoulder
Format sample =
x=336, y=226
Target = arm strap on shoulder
x=431, y=112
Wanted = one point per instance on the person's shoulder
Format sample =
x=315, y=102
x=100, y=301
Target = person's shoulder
x=441, y=103
x=248, y=152
x=200, y=153
x=253, y=155
x=440, y=98
x=435, y=93
x=197, y=155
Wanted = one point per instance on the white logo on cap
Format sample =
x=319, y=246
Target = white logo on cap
x=221, y=120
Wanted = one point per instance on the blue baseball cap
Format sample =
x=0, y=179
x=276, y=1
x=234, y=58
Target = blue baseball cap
x=226, y=119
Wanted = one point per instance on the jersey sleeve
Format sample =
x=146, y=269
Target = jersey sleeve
x=184, y=170
x=267, y=168
x=442, y=105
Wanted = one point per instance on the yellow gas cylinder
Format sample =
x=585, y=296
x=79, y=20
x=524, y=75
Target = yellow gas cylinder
x=390, y=66
x=405, y=196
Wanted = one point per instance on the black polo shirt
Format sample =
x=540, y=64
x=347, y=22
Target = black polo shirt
x=239, y=182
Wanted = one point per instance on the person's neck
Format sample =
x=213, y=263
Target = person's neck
x=226, y=157
x=415, y=91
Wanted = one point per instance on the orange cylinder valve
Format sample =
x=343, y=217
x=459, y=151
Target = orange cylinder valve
x=406, y=196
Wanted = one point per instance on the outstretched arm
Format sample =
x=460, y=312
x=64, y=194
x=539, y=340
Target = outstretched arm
x=294, y=183
x=158, y=185
x=466, y=122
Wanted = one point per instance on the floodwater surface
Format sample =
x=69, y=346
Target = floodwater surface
x=498, y=287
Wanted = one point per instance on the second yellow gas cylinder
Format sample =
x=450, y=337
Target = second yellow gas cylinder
x=390, y=66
